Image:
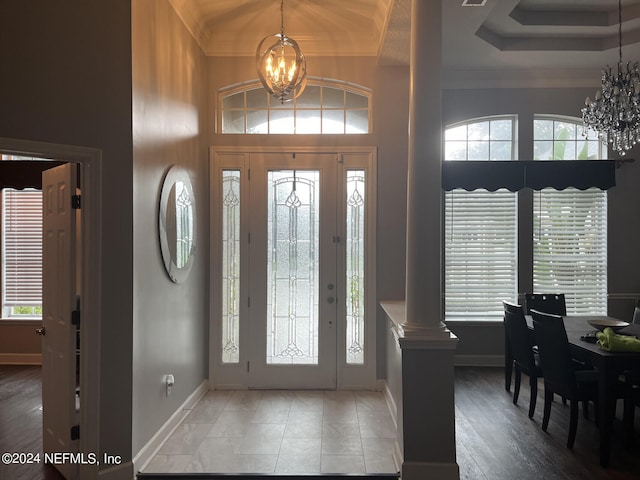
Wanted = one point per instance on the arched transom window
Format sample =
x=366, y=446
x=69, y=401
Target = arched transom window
x=323, y=108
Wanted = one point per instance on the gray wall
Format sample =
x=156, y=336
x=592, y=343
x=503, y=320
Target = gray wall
x=66, y=78
x=170, y=327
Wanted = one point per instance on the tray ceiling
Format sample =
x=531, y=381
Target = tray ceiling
x=504, y=35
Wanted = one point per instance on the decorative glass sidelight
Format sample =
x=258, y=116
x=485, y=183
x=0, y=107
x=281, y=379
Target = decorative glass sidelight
x=355, y=234
x=293, y=267
x=230, y=266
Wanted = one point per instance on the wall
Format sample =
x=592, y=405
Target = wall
x=170, y=326
x=66, y=79
x=18, y=342
x=391, y=118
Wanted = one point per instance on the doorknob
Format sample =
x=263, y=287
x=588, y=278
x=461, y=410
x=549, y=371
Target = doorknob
x=41, y=331
x=330, y=299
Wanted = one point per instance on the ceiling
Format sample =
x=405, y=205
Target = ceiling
x=502, y=40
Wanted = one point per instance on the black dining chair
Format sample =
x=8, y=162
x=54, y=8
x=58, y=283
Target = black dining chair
x=636, y=314
x=632, y=382
x=553, y=303
x=524, y=359
x=560, y=373
x=632, y=400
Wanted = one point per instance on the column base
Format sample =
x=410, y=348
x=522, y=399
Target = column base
x=436, y=332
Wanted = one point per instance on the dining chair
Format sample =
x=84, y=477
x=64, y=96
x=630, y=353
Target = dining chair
x=632, y=400
x=632, y=382
x=524, y=359
x=636, y=314
x=560, y=374
x=546, y=302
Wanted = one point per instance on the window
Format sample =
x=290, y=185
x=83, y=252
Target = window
x=480, y=226
x=322, y=108
x=570, y=226
x=21, y=252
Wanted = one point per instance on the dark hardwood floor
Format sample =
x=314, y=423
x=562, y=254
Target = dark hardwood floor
x=495, y=439
x=21, y=422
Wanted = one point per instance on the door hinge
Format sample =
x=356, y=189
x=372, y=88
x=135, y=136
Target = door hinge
x=248, y=366
x=248, y=174
x=75, y=202
x=248, y=301
x=75, y=318
x=75, y=432
x=249, y=237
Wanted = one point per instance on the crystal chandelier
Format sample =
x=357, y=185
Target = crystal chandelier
x=281, y=65
x=614, y=113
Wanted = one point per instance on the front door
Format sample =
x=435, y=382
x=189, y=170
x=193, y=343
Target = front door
x=293, y=254
x=59, y=413
x=293, y=291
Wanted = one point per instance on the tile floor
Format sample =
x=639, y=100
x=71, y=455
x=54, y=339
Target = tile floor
x=276, y=431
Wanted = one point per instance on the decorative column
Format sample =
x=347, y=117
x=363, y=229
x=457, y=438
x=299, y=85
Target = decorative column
x=427, y=346
x=424, y=191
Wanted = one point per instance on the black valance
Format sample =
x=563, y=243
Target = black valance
x=535, y=174
x=21, y=174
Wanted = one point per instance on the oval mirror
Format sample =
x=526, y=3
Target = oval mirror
x=176, y=224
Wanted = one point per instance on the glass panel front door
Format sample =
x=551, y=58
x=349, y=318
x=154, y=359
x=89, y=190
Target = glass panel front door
x=293, y=293
x=293, y=271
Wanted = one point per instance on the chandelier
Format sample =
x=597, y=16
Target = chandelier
x=614, y=113
x=282, y=68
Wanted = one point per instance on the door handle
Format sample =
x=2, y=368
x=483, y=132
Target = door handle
x=330, y=299
x=41, y=331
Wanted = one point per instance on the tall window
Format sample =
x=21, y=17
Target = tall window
x=323, y=108
x=480, y=226
x=21, y=252
x=570, y=226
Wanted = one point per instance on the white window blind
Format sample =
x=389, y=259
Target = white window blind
x=481, y=243
x=22, y=247
x=570, y=247
x=570, y=226
x=480, y=253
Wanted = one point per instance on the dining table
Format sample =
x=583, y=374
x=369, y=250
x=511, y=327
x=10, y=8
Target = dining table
x=609, y=365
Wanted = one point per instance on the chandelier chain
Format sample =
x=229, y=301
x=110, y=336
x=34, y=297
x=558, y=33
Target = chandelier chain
x=620, y=31
x=282, y=19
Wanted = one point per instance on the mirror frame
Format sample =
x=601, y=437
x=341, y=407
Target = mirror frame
x=176, y=273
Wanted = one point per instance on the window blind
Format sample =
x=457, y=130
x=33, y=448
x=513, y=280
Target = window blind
x=570, y=248
x=22, y=247
x=480, y=253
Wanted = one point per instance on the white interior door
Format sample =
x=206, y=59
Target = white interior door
x=59, y=300
x=293, y=255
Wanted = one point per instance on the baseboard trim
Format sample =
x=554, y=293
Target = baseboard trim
x=391, y=403
x=20, y=359
x=479, y=361
x=147, y=452
x=422, y=470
